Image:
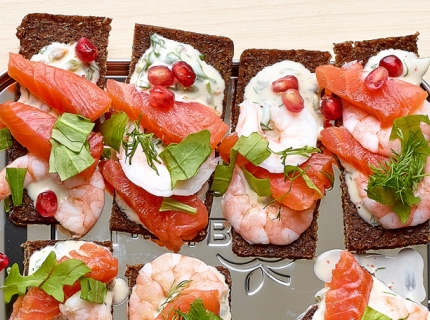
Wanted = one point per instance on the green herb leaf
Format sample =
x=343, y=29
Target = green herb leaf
x=259, y=186
x=183, y=160
x=5, y=139
x=68, y=163
x=72, y=131
x=15, y=178
x=93, y=290
x=171, y=204
x=372, y=314
x=223, y=175
x=393, y=183
x=113, y=130
x=197, y=312
x=254, y=148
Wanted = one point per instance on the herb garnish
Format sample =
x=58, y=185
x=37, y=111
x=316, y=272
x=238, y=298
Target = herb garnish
x=113, y=130
x=171, y=204
x=15, y=178
x=372, y=314
x=5, y=139
x=197, y=312
x=393, y=183
x=174, y=291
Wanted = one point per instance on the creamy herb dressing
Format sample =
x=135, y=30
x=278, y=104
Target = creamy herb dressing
x=398, y=278
x=209, y=86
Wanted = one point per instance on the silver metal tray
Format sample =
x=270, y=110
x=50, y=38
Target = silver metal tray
x=261, y=289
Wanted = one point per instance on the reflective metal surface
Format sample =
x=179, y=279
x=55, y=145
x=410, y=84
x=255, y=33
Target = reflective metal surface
x=262, y=288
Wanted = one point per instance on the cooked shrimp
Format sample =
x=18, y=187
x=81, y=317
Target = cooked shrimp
x=288, y=129
x=80, y=201
x=367, y=130
x=159, y=182
x=258, y=222
x=76, y=308
x=420, y=212
x=157, y=279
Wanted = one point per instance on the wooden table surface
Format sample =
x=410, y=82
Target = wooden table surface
x=294, y=24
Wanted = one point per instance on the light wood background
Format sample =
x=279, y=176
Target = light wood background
x=294, y=24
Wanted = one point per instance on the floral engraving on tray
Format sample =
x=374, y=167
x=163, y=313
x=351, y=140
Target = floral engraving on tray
x=257, y=270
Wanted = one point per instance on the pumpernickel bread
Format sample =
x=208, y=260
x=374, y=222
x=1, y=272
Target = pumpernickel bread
x=36, y=31
x=359, y=235
x=251, y=62
x=218, y=52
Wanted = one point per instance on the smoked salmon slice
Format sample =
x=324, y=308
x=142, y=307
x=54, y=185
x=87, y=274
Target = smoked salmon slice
x=395, y=99
x=171, y=228
x=36, y=304
x=171, y=125
x=349, y=289
x=184, y=300
x=341, y=142
x=60, y=89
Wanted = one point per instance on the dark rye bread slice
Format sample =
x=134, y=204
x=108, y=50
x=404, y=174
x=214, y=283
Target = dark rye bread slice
x=218, y=52
x=132, y=271
x=251, y=62
x=36, y=31
x=359, y=235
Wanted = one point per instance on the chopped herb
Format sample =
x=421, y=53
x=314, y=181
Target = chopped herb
x=93, y=290
x=113, y=130
x=197, y=312
x=15, y=178
x=172, y=204
x=5, y=139
x=260, y=186
x=372, y=314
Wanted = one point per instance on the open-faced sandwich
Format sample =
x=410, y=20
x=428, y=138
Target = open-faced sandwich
x=381, y=141
x=174, y=286
x=54, y=153
x=277, y=173
x=351, y=292
x=65, y=280
x=166, y=122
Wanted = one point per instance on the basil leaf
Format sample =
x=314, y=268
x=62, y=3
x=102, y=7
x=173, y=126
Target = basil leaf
x=68, y=163
x=372, y=314
x=254, y=148
x=113, y=130
x=223, y=175
x=5, y=139
x=184, y=159
x=15, y=178
x=402, y=126
x=93, y=290
x=72, y=131
x=64, y=273
x=171, y=204
x=259, y=186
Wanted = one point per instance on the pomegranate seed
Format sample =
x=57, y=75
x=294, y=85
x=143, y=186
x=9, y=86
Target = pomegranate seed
x=327, y=124
x=292, y=100
x=161, y=97
x=393, y=65
x=46, y=203
x=285, y=83
x=86, y=50
x=331, y=108
x=160, y=75
x=4, y=261
x=184, y=73
x=377, y=78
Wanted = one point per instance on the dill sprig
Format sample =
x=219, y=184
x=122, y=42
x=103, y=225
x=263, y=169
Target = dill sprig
x=173, y=293
x=305, y=151
x=146, y=141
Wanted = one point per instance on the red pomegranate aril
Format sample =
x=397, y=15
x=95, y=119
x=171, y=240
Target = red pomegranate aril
x=393, y=65
x=47, y=203
x=376, y=78
x=292, y=100
x=160, y=75
x=331, y=108
x=285, y=83
x=161, y=97
x=86, y=50
x=184, y=73
x=4, y=261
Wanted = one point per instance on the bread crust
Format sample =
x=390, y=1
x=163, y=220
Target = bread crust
x=251, y=62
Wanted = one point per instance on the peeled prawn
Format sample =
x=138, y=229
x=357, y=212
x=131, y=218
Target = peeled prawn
x=80, y=200
x=289, y=130
x=158, y=278
x=258, y=222
x=77, y=309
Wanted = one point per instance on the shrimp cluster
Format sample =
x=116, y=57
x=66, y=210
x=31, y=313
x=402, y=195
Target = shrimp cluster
x=262, y=222
x=156, y=283
x=80, y=200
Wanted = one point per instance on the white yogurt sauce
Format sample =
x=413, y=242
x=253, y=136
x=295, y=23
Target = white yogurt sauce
x=117, y=290
x=397, y=278
x=208, y=87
